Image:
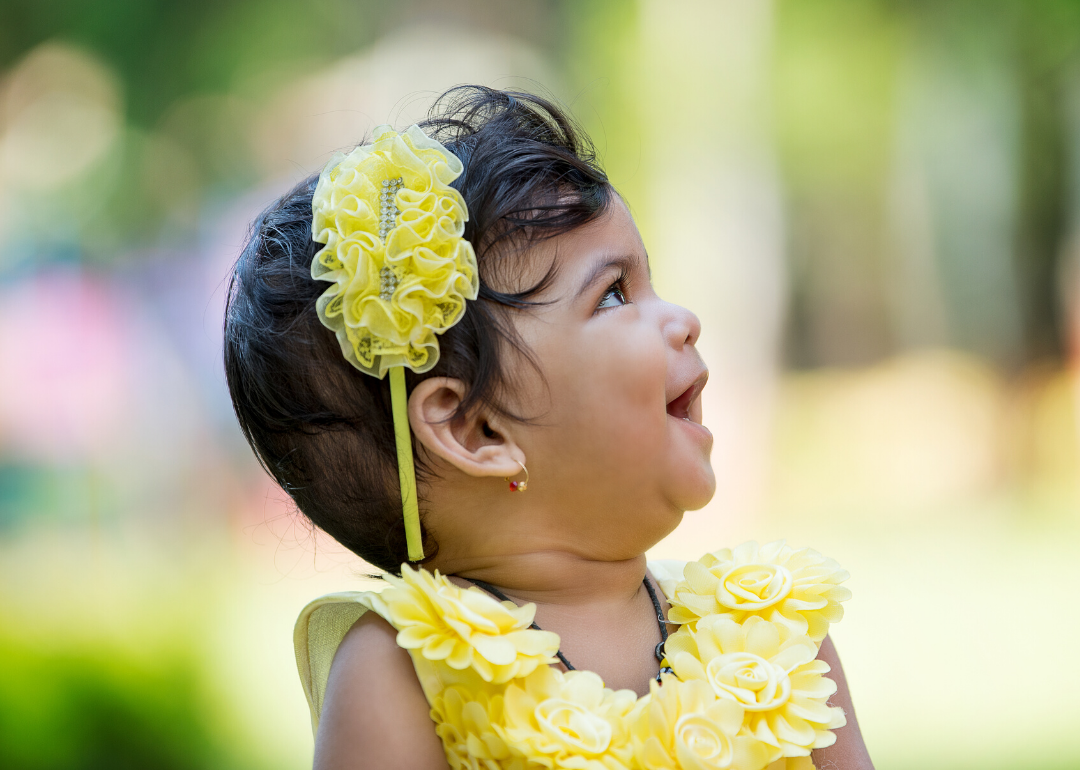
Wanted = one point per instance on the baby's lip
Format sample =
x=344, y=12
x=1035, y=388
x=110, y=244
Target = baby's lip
x=679, y=406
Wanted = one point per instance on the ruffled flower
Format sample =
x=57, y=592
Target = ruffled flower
x=464, y=719
x=797, y=589
x=464, y=627
x=395, y=252
x=685, y=726
x=773, y=675
x=568, y=720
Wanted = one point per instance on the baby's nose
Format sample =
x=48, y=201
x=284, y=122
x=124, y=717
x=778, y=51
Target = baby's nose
x=682, y=326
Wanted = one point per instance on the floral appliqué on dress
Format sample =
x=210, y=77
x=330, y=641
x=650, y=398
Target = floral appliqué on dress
x=747, y=692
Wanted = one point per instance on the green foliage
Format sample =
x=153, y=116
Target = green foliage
x=99, y=709
x=166, y=49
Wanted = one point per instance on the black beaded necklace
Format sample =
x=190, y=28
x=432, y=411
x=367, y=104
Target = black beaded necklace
x=659, y=651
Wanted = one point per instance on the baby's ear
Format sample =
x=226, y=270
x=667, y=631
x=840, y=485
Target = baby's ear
x=478, y=444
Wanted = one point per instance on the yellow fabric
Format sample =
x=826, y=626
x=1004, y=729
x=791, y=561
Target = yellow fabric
x=395, y=253
x=798, y=589
x=464, y=628
x=399, y=401
x=684, y=724
x=747, y=694
x=771, y=673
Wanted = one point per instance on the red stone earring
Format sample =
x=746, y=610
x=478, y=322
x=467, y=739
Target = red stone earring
x=519, y=486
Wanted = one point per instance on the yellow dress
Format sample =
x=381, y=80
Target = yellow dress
x=747, y=691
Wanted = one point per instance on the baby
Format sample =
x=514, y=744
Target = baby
x=539, y=430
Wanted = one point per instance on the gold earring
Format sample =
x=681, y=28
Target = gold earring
x=519, y=486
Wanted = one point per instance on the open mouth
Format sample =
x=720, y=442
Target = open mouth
x=680, y=406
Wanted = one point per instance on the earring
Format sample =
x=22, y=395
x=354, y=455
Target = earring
x=519, y=486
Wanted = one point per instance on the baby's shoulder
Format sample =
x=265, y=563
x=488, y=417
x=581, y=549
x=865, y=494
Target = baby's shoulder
x=368, y=662
x=373, y=706
x=371, y=641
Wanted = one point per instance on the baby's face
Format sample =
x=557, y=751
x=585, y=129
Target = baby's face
x=617, y=445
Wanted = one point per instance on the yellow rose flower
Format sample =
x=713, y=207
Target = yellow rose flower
x=395, y=252
x=568, y=720
x=773, y=675
x=464, y=720
x=464, y=627
x=797, y=589
x=685, y=726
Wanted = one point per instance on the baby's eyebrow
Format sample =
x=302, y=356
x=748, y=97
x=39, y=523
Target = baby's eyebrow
x=622, y=263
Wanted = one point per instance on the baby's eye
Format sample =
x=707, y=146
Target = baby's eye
x=613, y=297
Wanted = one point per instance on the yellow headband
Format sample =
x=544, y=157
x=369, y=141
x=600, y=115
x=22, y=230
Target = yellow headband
x=400, y=266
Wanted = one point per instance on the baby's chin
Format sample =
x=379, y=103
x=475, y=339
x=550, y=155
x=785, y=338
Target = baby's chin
x=695, y=494
x=691, y=482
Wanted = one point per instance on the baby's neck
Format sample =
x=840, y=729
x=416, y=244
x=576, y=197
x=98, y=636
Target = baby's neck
x=600, y=609
x=556, y=578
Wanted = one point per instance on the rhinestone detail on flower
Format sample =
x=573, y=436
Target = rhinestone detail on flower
x=388, y=210
x=388, y=283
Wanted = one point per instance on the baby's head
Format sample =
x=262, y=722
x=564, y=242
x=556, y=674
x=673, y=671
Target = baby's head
x=567, y=362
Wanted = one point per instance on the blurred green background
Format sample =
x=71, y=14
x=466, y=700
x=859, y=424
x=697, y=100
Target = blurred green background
x=873, y=206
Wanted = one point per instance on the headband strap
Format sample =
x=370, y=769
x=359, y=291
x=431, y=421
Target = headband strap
x=406, y=471
x=400, y=267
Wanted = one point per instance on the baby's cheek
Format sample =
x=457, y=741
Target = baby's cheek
x=629, y=404
x=609, y=408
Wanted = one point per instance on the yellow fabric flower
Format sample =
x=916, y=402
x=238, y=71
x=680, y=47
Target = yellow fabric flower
x=685, y=726
x=464, y=627
x=464, y=720
x=568, y=720
x=395, y=252
x=797, y=589
x=772, y=674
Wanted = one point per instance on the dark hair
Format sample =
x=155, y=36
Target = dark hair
x=323, y=429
